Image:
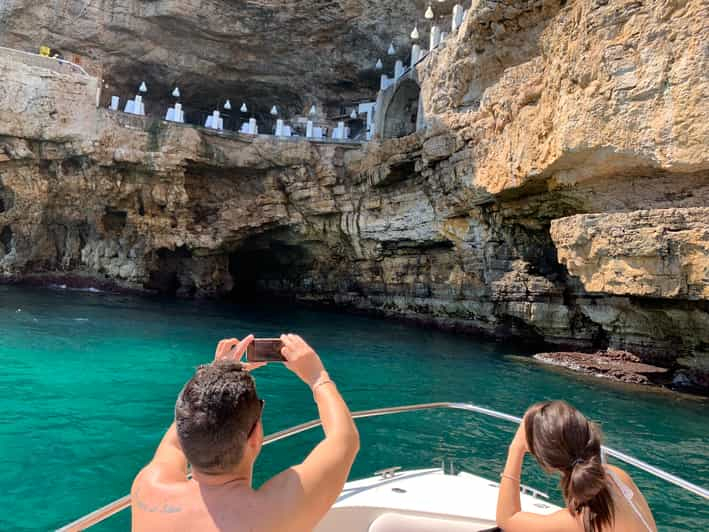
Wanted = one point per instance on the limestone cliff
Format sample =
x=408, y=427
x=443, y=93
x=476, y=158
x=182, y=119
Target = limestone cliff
x=558, y=192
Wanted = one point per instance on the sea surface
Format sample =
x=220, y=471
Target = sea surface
x=89, y=381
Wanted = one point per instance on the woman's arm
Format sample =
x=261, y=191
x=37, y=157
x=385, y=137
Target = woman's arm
x=508, y=500
x=510, y=516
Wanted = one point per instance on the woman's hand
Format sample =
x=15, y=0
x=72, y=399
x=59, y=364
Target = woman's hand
x=519, y=442
x=233, y=349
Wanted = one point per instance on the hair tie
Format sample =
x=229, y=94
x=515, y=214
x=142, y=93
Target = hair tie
x=577, y=462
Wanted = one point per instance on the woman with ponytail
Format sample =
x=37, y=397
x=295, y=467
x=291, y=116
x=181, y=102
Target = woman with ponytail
x=599, y=497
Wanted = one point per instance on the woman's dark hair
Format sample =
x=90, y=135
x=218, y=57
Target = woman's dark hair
x=215, y=413
x=562, y=439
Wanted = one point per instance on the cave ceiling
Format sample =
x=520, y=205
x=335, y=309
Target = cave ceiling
x=286, y=52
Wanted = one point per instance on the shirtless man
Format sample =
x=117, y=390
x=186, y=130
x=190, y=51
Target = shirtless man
x=218, y=430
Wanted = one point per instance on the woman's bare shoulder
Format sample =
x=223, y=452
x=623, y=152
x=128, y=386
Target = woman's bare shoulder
x=622, y=475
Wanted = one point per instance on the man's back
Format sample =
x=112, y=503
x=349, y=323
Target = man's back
x=159, y=506
x=218, y=426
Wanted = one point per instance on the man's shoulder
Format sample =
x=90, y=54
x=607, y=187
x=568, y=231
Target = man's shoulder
x=154, y=475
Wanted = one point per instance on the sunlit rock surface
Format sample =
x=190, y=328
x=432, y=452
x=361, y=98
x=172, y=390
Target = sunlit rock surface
x=660, y=253
x=559, y=191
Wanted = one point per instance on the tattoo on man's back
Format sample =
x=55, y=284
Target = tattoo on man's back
x=164, y=509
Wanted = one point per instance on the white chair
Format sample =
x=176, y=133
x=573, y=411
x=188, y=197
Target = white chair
x=179, y=113
x=139, y=106
x=398, y=69
x=384, y=82
x=415, y=52
x=435, y=37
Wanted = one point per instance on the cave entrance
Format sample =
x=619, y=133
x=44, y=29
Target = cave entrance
x=6, y=239
x=401, y=115
x=166, y=275
x=266, y=267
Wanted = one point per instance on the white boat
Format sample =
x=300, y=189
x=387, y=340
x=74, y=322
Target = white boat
x=418, y=500
x=422, y=500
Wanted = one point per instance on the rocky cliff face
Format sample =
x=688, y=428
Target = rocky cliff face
x=559, y=191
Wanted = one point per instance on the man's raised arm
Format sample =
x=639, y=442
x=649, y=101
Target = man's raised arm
x=303, y=494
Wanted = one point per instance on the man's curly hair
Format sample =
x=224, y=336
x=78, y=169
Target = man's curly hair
x=215, y=413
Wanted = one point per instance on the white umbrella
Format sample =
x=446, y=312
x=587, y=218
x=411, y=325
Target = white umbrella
x=244, y=109
x=143, y=87
x=274, y=110
x=415, y=34
x=353, y=114
x=227, y=105
x=429, y=13
x=176, y=92
x=379, y=64
x=313, y=110
x=391, y=50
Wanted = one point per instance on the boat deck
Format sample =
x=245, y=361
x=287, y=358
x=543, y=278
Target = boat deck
x=406, y=501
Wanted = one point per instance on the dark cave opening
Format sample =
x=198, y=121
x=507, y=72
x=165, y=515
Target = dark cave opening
x=114, y=221
x=6, y=238
x=166, y=273
x=398, y=172
x=7, y=198
x=267, y=267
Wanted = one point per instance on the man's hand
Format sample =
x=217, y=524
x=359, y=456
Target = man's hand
x=233, y=349
x=302, y=359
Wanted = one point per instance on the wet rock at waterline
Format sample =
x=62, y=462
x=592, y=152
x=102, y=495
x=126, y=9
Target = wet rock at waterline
x=619, y=366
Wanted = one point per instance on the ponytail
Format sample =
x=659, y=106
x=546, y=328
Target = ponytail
x=562, y=439
x=586, y=492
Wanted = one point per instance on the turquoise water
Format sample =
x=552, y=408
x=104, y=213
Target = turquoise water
x=89, y=383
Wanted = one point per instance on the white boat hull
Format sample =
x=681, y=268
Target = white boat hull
x=421, y=500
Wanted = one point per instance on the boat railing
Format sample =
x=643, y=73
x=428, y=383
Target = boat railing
x=123, y=503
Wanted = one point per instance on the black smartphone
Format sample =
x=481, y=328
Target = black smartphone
x=265, y=350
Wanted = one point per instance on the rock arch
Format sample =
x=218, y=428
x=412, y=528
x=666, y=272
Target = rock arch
x=401, y=115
